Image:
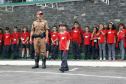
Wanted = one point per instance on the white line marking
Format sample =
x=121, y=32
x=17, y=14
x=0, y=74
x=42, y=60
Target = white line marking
x=73, y=69
x=68, y=74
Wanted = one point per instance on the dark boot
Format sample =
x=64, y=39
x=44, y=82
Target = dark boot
x=43, y=62
x=36, y=62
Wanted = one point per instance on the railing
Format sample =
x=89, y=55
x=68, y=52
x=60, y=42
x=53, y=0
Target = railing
x=105, y=1
x=18, y=1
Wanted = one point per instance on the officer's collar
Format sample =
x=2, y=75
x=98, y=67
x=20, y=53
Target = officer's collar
x=40, y=20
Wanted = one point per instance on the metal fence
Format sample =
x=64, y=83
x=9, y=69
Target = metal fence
x=17, y=1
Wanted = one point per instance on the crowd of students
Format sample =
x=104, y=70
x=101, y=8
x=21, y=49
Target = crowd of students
x=96, y=40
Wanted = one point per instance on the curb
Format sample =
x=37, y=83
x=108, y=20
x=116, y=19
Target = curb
x=90, y=63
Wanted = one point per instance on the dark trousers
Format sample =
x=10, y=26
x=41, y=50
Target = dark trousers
x=54, y=51
x=87, y=51
x=75, y=50
x=0, y=49
x=6, y=51
x=32, y=54
x=95, y=51
x=14, y=48
x=64, y=64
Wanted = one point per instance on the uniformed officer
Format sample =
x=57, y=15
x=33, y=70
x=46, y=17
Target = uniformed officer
x=40, y=29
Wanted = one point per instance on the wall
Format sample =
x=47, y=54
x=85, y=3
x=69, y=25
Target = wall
x=88, y=13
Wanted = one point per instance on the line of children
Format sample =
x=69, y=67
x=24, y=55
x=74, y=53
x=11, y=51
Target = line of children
x=97, y=40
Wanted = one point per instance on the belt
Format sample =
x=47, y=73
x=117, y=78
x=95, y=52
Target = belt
x=40, y=35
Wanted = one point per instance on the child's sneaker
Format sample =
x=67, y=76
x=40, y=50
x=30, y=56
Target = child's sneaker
x=113, y=59
x=100, y=58
x=109, y=59
x=22, y=57
x=27, y=58
x=104, y=59
x=120, y=59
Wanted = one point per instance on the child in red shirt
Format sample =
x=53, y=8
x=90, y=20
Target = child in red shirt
x=94, y=39
x=15, y=42
x=25, y=41
x=7, y=43
x=111, y=40
x=87, y=43
x=32, y=54
x=48, y=44
x=54, y=39
x=1, y=40
x=75, y=39
x=101, y=41
x=121, y=39
x=64, y=42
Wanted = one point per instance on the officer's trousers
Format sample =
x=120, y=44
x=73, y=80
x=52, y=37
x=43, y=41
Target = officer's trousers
x=40, y=46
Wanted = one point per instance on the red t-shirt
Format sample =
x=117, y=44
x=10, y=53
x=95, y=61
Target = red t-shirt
x=49, y=36
x=15, y=38
x=81, y=32
x=101, y=38
x=7, y=39
x=1, y=39
x=24, y=37
x=111, y=36
x=75, y=35
x=63, y=38
x=54, y=36
x=87, y=38
x=94, y=40
x=122, y=34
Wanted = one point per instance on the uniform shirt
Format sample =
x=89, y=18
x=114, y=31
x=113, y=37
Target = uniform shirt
x=54, y=36
x=122, y=34
x=1, y=39
x=39, y=26
x=111, y=36
x=24, y=36
x=15, y=37
x=87, y=38
x=101, y=38
x=75, y=35
x=7, y=39
x=63, y=38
